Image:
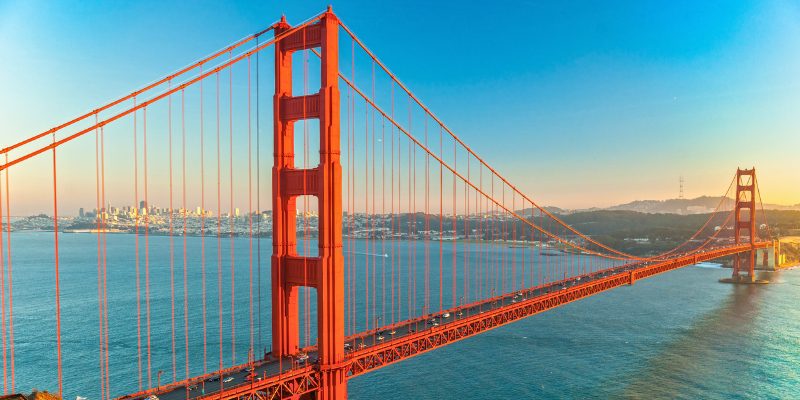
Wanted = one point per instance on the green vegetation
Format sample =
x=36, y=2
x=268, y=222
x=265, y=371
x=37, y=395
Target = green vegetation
x=623, y=230
x=784, y=222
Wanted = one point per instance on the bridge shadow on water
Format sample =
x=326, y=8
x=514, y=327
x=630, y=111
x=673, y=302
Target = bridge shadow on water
x=712, y=359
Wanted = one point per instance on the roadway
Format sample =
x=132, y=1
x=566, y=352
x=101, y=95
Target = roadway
x=270, y=368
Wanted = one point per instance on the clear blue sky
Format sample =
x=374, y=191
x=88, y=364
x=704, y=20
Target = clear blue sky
x=595, y=103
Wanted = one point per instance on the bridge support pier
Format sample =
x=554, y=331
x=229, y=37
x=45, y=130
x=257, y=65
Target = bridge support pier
x=325, y=273
x=745, y=220
x=776, y=253
x=745, y=212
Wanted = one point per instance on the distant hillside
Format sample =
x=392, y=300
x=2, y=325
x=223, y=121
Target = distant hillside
x=533, y=212
x=699, y=205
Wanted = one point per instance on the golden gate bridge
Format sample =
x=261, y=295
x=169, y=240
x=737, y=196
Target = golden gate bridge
x=390, y=235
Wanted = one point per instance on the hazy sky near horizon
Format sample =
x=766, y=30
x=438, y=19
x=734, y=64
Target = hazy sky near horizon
x=578, y=103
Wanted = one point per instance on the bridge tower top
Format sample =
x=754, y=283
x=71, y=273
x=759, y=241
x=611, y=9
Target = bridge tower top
x=745, y=214
x=325, y=272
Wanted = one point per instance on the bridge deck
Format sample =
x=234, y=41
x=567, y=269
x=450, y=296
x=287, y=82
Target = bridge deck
x=378, y=348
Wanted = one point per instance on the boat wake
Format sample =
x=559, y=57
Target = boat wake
x=708, y=265
x=359, y=253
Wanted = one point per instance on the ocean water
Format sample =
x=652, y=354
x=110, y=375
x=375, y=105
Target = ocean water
x=678, y=335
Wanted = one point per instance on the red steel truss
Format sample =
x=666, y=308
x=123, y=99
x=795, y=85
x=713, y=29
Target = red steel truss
x=394, y=351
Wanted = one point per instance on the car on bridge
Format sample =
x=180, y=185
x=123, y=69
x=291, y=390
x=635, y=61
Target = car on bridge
x=252, y=377
x=302, y=357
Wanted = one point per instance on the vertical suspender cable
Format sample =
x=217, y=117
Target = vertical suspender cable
x=490, y=248
x=171, y=241
x=105, y=261
x=524, y=249
x=219, y=233
x=467, y=243
x=441, y=220
x=514, y=252
x=9, y=278
x=538, y=247
x=479, y=204
x=203, y=229
x=102, y=279
x=383, y=219
x=413, y=194
x=258, y=192
x=410, y=224
x=250, y=200
x=350, y=183
x=100, y=335
x=184, y=213
x=3, y=293
x=427, y=223
x=351, y=195
x=455, y=229
x=402, y=260
x=367, y=215
x=58, y=286
x=393, y=226
x=372, y=232
x=231, y=217
x=503, y=256
x=409, y=216
x=136, y=239
x=147, y=249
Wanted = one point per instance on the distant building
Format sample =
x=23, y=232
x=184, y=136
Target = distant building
x=80, y=212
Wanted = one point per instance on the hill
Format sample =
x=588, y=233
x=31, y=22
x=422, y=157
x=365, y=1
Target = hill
x=699, y=205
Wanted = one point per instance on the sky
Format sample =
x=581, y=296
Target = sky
x=580, y=104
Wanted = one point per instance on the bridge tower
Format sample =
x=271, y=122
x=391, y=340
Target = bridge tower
x=325, y=273
x=745, y=213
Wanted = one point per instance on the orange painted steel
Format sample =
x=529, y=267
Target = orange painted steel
x=392, y=351
x=291, y=385
x=325, y=272
x=285, y=385
x=745, y=201
x=57, y=280
x=309, y=379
